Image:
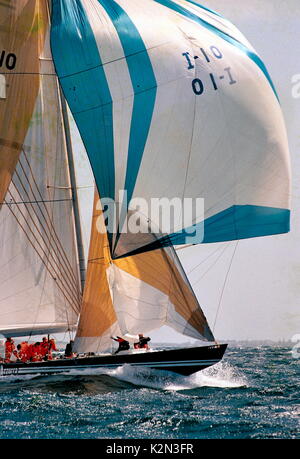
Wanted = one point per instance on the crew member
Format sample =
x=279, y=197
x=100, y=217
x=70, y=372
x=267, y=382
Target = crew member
x=10, y=349
x=69, y=350
x=35, y=352
x=123, y=344
x=19, y=353
x=22, y=350
x=52, y=347
x=31, y=352
x=143, y=342
x=44, y=348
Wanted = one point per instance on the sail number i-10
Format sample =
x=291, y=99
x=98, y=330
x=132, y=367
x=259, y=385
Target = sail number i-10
x=213, y=53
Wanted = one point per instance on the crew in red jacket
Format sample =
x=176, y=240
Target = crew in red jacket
x=23, y=351
x=10, y=349
x=45, y=348
x=35, y=352
x=52, y=347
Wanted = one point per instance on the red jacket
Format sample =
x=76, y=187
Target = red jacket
x=34, y=352
x=44, y=348
x=9, y=349
x=23, y=352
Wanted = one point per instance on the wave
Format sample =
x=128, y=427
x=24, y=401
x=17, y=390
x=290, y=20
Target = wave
x=65, y=383
x=221, y=375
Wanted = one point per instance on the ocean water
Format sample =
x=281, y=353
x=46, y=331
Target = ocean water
x=252, y=394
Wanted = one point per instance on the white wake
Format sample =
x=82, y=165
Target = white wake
x=221, y=375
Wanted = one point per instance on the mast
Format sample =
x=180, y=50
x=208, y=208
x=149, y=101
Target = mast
x=81, y=258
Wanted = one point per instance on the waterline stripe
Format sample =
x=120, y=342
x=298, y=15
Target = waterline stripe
x=16, y=371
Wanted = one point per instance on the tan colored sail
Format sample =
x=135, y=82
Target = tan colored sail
x=98, y=320
x=23, y=25
x=161, y=270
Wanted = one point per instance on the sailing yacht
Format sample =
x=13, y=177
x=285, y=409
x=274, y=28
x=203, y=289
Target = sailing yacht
x=170, y=100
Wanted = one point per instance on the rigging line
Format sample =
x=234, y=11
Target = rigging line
x=212, y=265
x=70, y=187
x=224, y=284
x=59, y=187
x=26, y=234
x=56, y=278
x=59, y=266
x=36, y=202
x=50, y=226
x=40, y=302
x=56, y=240
x=184, y=247
x=206, y=258
x=84, y=186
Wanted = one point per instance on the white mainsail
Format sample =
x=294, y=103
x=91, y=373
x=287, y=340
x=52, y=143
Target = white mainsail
x=39, y=284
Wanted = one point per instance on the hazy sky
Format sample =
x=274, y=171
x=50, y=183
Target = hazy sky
x=261, y=299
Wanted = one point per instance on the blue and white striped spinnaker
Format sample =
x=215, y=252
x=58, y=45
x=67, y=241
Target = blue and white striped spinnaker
x=172, y=101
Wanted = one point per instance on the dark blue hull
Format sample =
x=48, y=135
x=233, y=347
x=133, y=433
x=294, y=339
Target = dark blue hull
x=183, y=361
